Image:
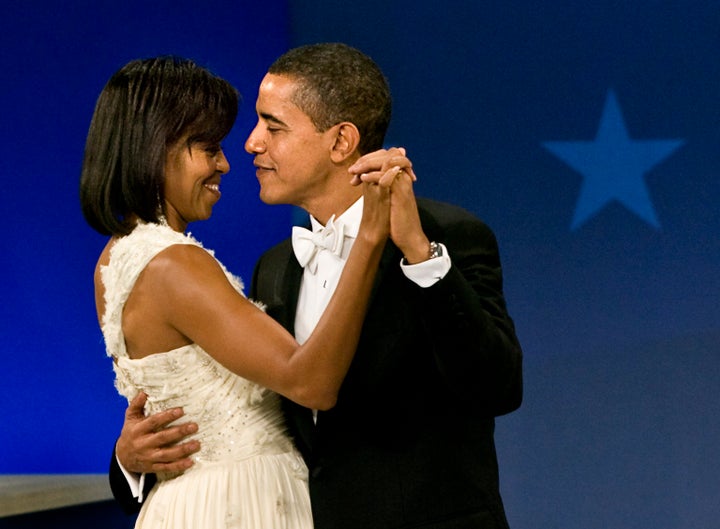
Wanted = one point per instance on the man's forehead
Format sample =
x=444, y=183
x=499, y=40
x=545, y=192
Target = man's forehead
x=275, y=101
x=280, y=84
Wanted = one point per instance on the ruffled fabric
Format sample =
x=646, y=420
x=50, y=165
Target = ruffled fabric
x=247, y=473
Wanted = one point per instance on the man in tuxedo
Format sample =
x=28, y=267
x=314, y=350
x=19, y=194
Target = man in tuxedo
x=410, y=443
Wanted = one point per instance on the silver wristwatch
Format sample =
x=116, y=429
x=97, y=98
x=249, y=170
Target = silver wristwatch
x=435, y=250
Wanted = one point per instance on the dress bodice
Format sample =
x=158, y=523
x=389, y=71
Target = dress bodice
x=237, y=418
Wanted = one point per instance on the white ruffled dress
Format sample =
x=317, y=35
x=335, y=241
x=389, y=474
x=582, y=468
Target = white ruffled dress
x=248, y=473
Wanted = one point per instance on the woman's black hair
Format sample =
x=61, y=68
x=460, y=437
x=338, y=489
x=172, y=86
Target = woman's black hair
x=144, y=109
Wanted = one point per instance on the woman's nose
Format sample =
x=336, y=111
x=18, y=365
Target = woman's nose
x=222, y=162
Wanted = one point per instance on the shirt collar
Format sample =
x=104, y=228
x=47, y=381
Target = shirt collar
x=350, y=218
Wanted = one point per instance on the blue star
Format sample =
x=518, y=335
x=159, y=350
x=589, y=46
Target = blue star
x=613, y=166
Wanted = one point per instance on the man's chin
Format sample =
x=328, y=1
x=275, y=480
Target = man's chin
x=270, y=199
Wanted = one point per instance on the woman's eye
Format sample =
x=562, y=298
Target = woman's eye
x=213, y=150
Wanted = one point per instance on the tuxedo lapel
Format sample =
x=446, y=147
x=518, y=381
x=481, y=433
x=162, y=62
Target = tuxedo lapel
x=278, y=284
x=281, y=288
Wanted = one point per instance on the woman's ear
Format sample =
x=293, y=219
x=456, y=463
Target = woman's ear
x=347, y=139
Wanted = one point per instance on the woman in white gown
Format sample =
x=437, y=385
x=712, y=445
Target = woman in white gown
x=176, y=323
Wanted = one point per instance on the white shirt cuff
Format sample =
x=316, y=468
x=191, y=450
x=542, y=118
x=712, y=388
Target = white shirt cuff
x=427, y=273
x=136, y=482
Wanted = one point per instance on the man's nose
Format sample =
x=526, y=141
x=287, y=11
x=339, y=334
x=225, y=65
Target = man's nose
x=254, y=142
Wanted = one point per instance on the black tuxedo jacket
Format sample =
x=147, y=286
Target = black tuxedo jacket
x=410, y=441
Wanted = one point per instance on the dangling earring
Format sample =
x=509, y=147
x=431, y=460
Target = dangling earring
x=162, y=219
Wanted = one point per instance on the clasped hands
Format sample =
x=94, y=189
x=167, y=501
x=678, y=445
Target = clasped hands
x=392, y=168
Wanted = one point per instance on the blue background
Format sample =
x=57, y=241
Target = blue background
x=514, y=109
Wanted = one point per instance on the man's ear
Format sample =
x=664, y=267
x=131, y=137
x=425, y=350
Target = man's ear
x=347, y=139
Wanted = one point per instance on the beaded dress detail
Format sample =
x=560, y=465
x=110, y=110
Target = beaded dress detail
x=247, y=473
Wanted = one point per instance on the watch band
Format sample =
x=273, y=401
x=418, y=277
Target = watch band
x=435, y=250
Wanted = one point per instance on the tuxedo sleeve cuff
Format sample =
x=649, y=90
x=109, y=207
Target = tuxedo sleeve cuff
x=136, y=482
x=427, y=273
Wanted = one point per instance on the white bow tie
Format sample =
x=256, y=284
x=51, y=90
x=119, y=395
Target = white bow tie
x=307, y=244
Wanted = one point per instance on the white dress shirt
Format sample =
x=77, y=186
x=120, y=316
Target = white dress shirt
x=317, y=289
